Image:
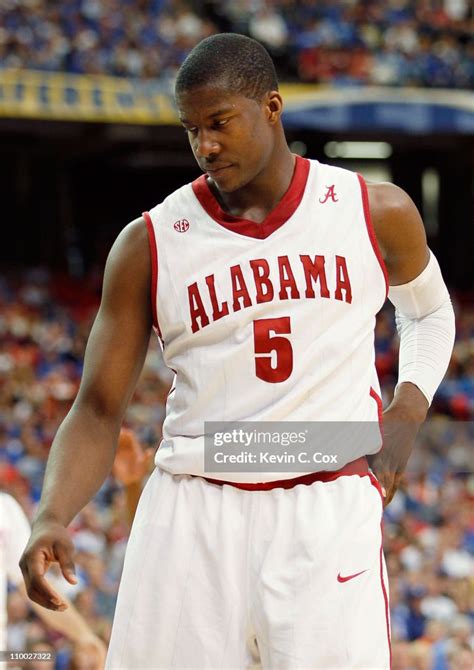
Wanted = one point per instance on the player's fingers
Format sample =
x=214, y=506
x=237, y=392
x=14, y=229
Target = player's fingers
x=388, y=499
x=396, y=484
x=38, y=588
x=386, y=485
x=392, y=489
x=33, y=562
x=384, y=481
x=42, y=593
x=63, y=552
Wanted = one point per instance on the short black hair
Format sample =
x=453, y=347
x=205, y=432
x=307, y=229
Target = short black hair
x=230, y=60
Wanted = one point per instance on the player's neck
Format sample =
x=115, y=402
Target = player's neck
x=256, y=200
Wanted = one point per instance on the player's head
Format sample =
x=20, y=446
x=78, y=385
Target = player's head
x=228, y=101
x=235, y=63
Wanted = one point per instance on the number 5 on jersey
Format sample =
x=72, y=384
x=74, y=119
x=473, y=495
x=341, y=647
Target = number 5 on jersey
x=266, y=333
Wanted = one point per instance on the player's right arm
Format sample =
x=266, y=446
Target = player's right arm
x=83, y=450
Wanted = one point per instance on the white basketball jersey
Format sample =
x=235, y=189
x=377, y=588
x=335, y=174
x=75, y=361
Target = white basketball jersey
x=270, y=321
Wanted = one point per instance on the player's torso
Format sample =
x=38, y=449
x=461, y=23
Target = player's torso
x=269, y=321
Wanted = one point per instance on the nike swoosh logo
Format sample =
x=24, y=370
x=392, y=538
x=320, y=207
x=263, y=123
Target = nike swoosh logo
x=342, y=579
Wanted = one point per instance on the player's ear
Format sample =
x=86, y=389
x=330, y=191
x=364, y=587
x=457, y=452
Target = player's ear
x=274, y=106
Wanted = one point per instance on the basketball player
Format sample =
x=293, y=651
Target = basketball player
x=14, y=534
x=266, y=274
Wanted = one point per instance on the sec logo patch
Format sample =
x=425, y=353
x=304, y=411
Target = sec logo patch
x=181, y=226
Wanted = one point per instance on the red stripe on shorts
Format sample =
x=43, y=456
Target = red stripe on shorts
x=377, y=485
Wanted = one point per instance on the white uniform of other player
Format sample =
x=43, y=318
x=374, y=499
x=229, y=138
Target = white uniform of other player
x=14, y=535
x=261, y=322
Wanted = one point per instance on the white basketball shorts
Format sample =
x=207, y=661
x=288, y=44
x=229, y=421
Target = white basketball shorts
x=218, y=577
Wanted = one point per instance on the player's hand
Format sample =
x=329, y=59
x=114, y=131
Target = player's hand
x=399, y=433
x=132, y=462
x=49, y=543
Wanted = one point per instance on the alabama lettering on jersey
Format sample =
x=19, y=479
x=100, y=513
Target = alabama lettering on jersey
x=270, y=321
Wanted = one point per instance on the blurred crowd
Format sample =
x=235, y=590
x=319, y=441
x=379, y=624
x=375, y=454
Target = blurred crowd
x=341, y=42
x=429, y=528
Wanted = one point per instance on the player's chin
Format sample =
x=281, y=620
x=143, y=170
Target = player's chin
x=227, y=180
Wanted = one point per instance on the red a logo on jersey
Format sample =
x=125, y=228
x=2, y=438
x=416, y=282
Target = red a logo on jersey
x=330, y=193
x=181, y=226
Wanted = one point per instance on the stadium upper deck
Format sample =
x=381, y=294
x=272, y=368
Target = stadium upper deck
x=393, y=42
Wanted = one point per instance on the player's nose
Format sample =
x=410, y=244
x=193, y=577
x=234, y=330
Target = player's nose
x=206, y=146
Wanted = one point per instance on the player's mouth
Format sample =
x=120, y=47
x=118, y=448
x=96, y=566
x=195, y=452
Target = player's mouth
x=216, y=170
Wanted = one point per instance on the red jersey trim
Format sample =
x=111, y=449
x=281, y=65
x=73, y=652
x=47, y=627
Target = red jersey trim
x=376, y=483
x=371, y=231
x=154, y=269
x=378, y=400
x=275, y=219
x=385, y=597
x=358, y=467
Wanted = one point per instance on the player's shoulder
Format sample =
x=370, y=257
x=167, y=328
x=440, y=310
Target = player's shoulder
x=131, y=242
x=388, y=199
x=392, y=210
x=396, y=221
x=393, y=214
x=128, y=266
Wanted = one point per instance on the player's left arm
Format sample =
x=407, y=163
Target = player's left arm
x=425, y=323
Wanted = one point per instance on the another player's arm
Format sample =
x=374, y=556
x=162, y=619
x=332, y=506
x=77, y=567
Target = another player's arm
x=82, y=453
x=131, y=465
x=71, y=624
x=423, y=306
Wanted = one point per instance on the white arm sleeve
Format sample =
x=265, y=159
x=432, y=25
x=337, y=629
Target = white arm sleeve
x=425, y=323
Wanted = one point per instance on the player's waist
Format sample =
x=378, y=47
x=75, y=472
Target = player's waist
x=254, y=467
x=358, y=467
